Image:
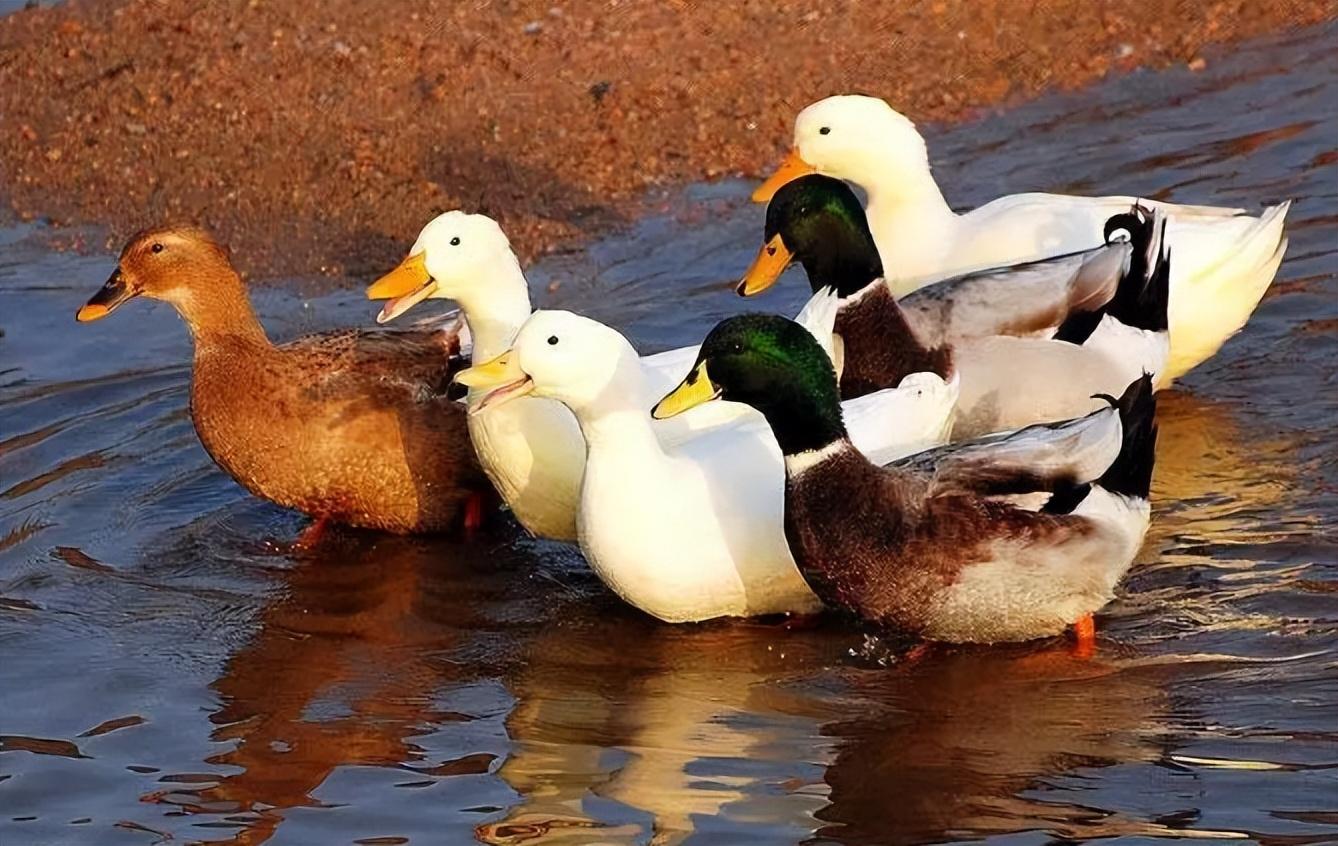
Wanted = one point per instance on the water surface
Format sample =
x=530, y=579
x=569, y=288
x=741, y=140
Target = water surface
x=168, y=673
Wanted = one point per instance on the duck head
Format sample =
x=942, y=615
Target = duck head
x=456, y=255
x=819, y=222
x=179, y=264
x=774, y=365
x=852, y=137
x=558, y=355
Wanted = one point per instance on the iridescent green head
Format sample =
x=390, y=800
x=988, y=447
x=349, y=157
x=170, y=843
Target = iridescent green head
x=774, y=365
x=819, y=222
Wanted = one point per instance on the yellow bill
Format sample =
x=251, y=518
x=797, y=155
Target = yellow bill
x=770, y=263
x=792, y=168
x=691, y=392
x=501, y=377
x=405, y=287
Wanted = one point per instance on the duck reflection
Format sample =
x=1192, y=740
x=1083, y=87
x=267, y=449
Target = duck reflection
x=960, y=744
x=627, y=729
x=690, y=731
x=1209, y=462
x=343, y=672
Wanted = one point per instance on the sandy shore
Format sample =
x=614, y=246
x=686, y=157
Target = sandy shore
x=317, y=140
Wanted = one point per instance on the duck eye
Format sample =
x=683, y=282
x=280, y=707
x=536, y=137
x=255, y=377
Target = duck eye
x=157, y=248
x=826, y=130
x=455, y=242
x=552, y=340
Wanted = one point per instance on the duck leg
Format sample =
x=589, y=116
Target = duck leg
x=474, y=513
x=311, y=535
x=1084, y=635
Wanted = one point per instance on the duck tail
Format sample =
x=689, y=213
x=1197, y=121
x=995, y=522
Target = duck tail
x=1144, y=291
x=1130, y=474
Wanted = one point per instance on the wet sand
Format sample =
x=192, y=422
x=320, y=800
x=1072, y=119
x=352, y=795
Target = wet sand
x=318, y=141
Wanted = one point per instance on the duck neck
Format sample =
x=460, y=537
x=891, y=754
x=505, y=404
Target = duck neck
x=804, y=418
x=905, y=192
x=495, y=315
x=907, y=212
x=617, y=416
x=847, y=261
x=218, y=312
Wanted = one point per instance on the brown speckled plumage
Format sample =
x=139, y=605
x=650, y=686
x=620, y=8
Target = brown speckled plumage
x=879, y=347
x=353, y=426
x=910, y=545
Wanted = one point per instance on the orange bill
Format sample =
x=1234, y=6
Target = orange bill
x=114, y=292
x=404, y=287
x=89, y=312
x=770, y=263
x=501, y=377
x=792, y=168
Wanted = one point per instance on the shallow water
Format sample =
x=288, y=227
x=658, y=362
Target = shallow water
x=164, y=673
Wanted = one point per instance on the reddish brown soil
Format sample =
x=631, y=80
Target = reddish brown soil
x=319, y=137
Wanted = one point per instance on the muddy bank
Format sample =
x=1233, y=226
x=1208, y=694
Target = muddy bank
x=319, y=140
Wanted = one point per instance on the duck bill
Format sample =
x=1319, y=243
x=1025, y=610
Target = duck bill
x=690, y=393
x=114, y=292
x=770, y=263
x=405, y=287
x=792, y=168
x=501, y=377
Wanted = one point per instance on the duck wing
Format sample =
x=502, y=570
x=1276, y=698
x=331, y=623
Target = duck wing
x=1041, y=458
x=423, y=360
x=1020, y=299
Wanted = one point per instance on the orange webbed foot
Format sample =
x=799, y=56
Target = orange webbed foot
x=1084, y=636
x=474, y=513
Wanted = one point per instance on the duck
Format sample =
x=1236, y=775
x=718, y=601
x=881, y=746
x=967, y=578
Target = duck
x=990, y=326
x=532, y=448
x=936, y=545
x=686, y=531
x=350, y=426
x=1226, y=258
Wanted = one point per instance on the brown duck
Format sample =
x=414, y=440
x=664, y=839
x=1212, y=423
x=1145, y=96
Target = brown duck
x=349, y=426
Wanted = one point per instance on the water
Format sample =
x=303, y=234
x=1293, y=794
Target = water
x=165, y=674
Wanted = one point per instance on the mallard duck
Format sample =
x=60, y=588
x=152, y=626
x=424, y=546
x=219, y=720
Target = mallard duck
x=931, y=545
x=692, y=530
x=532, y=448
x=349, y=426
x=1111, y=301
x=1225, y=259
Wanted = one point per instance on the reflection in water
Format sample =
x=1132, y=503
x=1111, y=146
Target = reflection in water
x=342, y=672
x=694, y=712
x=381, y=690
x=955, y=744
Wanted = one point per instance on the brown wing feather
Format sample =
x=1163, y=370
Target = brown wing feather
x=423, y=359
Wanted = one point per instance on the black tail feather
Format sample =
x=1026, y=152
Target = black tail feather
x=1131, y=472
x=1143, y=292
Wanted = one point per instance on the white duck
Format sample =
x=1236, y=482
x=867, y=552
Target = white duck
x=532, y=448
x=688, y=531
x=1224, y=259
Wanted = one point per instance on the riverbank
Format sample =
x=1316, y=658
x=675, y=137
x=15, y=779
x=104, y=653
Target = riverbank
x=319, y=141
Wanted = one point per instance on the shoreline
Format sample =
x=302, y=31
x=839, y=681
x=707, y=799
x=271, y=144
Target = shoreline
x=318, y=142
